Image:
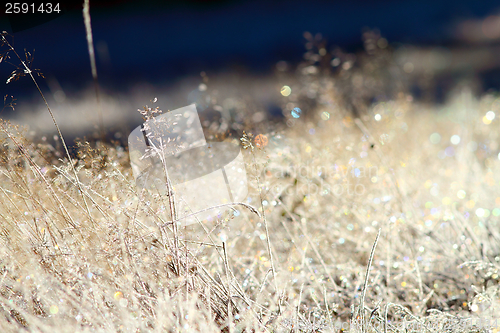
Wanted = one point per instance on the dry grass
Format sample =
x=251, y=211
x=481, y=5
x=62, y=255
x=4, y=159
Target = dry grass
x=82, y=251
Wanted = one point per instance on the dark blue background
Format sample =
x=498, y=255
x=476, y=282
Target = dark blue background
x=159, y=42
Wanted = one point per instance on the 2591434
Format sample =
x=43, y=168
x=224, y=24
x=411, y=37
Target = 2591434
x=32, y=8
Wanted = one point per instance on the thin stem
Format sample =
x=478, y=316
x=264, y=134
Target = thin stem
x=268, y=241
x=365, y=285
x=171, y=203
x=251, y=208
x=229, y=297
x=28, y=70
x=90, y=45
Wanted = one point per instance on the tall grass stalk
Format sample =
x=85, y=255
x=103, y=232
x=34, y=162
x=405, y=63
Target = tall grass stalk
x=68, y=155
x=90, y=46
x=365, y=284
x=247, y=142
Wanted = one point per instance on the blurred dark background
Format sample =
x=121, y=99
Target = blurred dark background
x=160, y=42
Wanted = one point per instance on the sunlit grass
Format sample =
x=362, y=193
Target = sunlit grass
x=82, y=250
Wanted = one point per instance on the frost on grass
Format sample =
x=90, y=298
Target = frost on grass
x=325, y=182
x=325, y=196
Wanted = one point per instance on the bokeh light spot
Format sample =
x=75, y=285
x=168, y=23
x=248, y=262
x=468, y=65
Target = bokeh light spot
x=54, y=309
x=286, y=91
x=296, y=112
x=435, y=138
x=455, y=139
